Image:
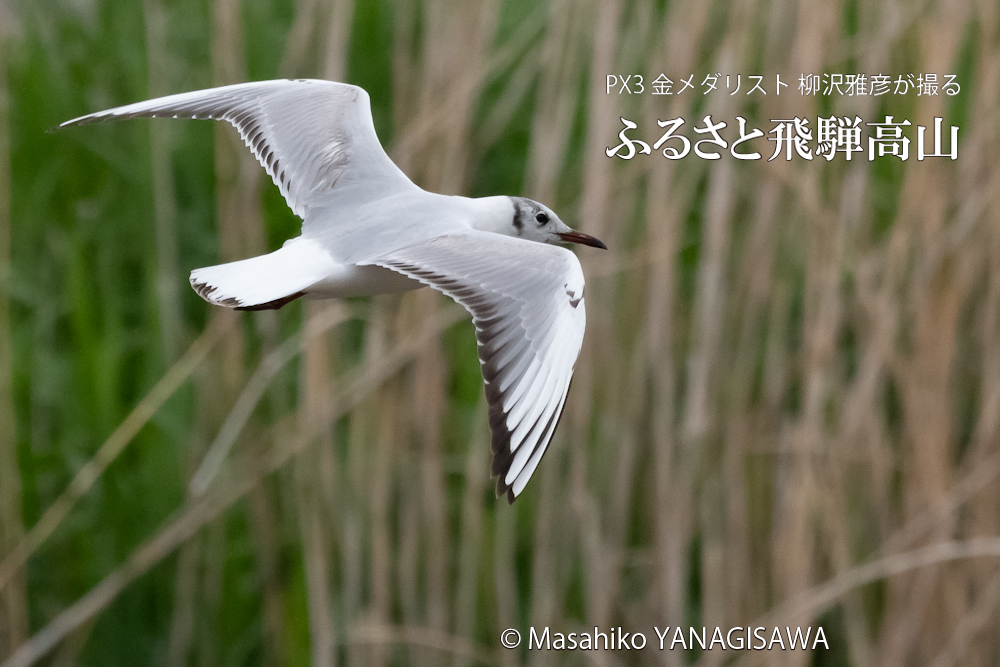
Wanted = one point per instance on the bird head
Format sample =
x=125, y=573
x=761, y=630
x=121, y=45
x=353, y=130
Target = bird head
x=537, y=222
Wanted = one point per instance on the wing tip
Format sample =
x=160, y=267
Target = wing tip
x=505, y=490
x=73, y=122
x=503, y=457
x=206, y=290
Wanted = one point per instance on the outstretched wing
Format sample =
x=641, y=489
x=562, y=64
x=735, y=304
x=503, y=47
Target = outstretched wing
x=315, y=138
x=526, y=301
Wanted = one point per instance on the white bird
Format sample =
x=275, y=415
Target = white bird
x=367, y=229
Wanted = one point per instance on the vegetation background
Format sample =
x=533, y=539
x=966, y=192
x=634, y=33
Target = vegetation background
x=787, y=410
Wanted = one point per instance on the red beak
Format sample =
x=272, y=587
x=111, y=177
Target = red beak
x=585, y=239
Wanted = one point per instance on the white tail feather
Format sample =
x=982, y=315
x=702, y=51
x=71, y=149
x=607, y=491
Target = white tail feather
x=268, y=281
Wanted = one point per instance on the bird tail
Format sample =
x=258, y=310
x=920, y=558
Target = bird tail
x=266, y=282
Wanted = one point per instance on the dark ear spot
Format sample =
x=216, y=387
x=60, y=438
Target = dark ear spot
x=524, y=210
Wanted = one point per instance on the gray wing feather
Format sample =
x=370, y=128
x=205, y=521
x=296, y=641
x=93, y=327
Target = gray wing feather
x=316, y=139
x=526, y=301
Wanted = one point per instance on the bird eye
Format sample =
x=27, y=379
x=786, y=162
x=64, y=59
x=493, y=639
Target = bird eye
x=542, y=217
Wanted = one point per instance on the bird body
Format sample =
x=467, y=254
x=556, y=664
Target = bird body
x=367, y=229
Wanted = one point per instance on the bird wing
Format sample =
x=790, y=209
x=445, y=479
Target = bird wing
x=316, y=139
x=526, y=301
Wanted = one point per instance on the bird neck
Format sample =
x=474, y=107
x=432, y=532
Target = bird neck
x=492, y=214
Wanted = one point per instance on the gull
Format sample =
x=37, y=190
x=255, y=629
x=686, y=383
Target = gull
x=367, y=229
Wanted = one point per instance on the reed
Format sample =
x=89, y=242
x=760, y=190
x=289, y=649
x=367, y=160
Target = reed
x=13, y=597
x=786, y=413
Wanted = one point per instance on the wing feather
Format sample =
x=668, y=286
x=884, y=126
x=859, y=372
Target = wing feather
x=526, y=301
x=316, y=139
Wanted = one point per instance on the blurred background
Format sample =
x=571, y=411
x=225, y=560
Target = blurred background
x=786, y=412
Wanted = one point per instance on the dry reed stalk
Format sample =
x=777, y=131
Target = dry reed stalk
x=337, y=40
x=372, y=431
x=417, y=127
x=671, y=530
x=469, y=552
x=551, y=540
x=263, y=517
x=834, y=498
x=207, y=648
x=422, y=533
x=496, y=119
x=236, y=191
x=505, y=580
x=698, y=437
x=408, y=565
x=68, y=653
x=755, y=273
x=795, y=559
x=318, y=468
x=428, y=401
x=668, y=197
x=164, y=207
x=405, y=80
x=415, y=409
x=596, y=209
x=264, y=512
x=566, y=26
x=182, y=620
x=440, y=643
x=352, y=553
x=240, y=231
x=353, y=517
x=616, y=511
x=307, y=28
x=814, y=601
x=960, y=647
x=443, y=167
x=560, y=64
x=598, y=181
x=308, y=479
x=712, y=479
x=13, y=594
x=265, y=529
x=973, y=632
x=391, y=418
x=168, y=297
x=608, y=506
x=107, y=453
x=203, y=510
x=921, y=605
x=253, y=392
x=317, y=553
x=795, y=496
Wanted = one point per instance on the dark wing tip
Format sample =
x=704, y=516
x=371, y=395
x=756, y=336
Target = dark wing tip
x=502, y=456
x=274, y=305
x=505, y=490
x=203, y=290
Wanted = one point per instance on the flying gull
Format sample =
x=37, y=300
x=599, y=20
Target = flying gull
x=367, y=229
